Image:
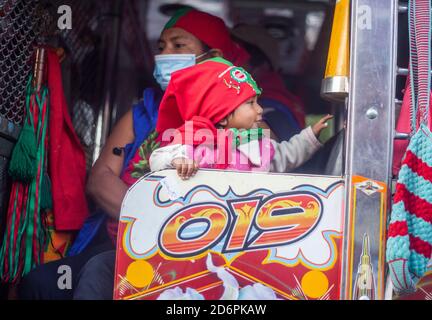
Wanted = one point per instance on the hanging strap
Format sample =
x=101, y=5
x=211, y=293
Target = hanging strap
x=25, y=234
x=419, y=25
x=33, y=227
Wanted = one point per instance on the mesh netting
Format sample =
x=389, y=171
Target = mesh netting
x=19, y=27
x=83, y=45
x=25, y=23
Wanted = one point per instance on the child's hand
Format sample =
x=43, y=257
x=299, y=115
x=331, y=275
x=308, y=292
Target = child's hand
x=321, y=124
x=185, y=167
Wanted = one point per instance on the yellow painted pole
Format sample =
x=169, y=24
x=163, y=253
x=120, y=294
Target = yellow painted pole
x=335, y=83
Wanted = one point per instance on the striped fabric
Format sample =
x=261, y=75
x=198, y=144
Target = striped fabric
x=409, y=243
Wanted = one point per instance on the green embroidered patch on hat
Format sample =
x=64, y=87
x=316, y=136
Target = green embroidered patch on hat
x=241, y=75
x=237, y=73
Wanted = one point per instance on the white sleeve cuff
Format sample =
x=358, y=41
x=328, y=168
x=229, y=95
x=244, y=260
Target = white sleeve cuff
x=312, y=138
x=162, y=158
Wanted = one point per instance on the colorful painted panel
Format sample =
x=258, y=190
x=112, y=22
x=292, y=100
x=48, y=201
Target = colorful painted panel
x=231, y=235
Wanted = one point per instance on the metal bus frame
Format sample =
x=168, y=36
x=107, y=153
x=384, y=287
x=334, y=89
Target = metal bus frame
x=370, y=135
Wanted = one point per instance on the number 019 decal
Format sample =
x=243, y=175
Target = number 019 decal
x=194, y=229
x=248, y=224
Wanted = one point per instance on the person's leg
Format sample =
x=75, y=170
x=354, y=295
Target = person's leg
x=42, y=283
x=96, y=279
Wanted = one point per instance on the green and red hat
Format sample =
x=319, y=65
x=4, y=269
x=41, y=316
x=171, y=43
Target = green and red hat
x=210, y=30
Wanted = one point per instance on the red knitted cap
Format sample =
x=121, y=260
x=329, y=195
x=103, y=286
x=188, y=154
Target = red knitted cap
x=205, y=94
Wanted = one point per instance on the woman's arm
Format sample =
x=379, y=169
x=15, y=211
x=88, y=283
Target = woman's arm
x=104, y=184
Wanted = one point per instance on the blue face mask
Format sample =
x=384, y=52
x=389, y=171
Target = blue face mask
x=166, y=64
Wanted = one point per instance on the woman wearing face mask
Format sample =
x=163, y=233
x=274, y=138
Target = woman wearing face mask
x=191, y=37
x=188, y=38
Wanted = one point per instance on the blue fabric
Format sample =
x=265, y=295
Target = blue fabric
x=144, y=120
x=145, y=114
x=279, y=118
x=87, y=233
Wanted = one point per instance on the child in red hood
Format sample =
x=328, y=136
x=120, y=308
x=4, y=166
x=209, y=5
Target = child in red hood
x=209, y=118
